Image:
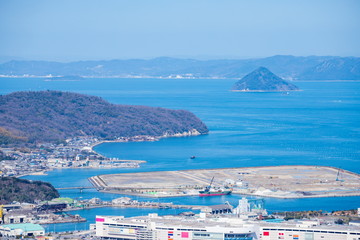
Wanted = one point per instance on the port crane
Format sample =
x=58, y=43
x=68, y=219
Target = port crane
x=338, y=176
x=208, y=187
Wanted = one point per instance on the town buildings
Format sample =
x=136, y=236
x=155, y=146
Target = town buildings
x=76, y=153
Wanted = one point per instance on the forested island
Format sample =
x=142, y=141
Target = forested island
x=21, y=190
x=53, y=116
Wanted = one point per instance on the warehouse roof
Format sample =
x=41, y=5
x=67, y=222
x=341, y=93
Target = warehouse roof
x=24, y=226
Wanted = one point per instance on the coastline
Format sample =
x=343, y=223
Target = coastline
x=111, y=162
x=145, y=138
x=299, y=90
x=40, y=173
x=44, y=173
x=273, y=194
x=163, y=77
x=233, y=193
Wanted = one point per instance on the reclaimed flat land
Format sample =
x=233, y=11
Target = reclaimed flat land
x=275, y=181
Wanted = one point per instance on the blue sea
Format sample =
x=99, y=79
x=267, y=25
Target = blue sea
x=319, y=125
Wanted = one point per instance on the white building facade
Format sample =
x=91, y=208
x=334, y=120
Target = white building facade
x=154, y=227
x=307, y=232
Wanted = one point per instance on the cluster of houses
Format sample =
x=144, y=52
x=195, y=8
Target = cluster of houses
x=76, y=153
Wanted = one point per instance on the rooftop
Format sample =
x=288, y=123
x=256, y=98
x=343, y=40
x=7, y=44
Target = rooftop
x=24, y=226
x=227, y=222
x=181, y=221
x=303, y=224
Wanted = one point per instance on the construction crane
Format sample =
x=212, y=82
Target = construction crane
x=1, y=214
x=208, y=187
x=338, y=176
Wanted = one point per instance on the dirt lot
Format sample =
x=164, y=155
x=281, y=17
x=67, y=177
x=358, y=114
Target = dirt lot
x=277, y=181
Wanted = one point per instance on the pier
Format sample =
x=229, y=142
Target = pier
x=80, y=188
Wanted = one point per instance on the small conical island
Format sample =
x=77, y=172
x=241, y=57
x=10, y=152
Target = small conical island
x=262, y=80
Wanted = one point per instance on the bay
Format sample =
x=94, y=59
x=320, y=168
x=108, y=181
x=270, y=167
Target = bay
x=319, y=125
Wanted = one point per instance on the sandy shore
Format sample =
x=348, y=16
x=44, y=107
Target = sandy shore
x=33, y=173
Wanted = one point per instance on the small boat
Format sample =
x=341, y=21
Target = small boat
x=192, y=157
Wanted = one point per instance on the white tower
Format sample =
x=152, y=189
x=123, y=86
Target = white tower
x=243, y=207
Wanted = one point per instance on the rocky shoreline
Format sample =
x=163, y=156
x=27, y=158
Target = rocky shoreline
x=147, y=138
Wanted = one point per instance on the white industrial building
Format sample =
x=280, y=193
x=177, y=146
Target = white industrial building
x=308, y=230
x=221, y=222
x=22, y=229
x=229, y=227
x=173, y=228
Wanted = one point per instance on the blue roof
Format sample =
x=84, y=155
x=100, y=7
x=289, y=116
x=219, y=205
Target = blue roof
x=275, y=220
x=24, y=226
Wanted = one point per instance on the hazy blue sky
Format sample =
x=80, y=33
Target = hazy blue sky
x=116, y=29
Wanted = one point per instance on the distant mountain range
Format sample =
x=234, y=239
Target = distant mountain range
x=53, y=116
x=287, y=67
x=261, y=80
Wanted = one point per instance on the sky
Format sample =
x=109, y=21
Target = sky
x=71, y=30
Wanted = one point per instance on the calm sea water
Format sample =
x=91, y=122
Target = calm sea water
x=317, y=126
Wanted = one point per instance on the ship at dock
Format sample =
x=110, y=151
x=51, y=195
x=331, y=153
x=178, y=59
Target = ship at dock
x=212, y=191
